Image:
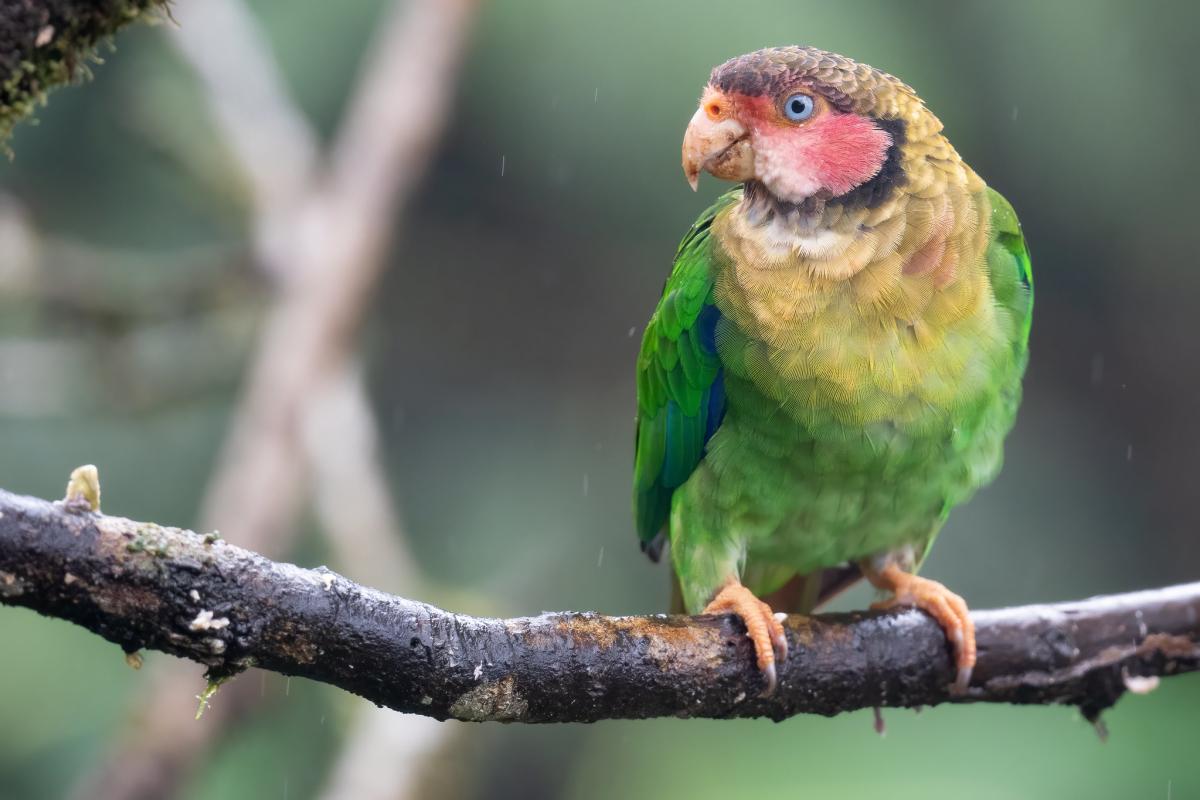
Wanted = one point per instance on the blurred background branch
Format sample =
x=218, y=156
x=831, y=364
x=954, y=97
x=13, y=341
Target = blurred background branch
x=320, y=225
x=143, y=586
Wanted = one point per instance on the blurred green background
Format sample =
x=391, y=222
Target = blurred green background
x=501, y=352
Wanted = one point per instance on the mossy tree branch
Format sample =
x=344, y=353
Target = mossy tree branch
x=48, y=43
x=141, y=585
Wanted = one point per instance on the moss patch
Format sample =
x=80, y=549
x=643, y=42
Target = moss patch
x=48, y=43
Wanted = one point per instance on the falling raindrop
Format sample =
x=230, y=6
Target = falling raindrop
x=596, y=95
x=585, y=484
x=503, y=160
x=600, y=558
x=632, y=331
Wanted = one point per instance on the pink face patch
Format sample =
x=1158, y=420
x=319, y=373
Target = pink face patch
x=847, y=150
x=835, y=151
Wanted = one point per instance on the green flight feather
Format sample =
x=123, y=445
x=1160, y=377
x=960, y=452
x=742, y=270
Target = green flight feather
x=676, y=376
x=1009, y=266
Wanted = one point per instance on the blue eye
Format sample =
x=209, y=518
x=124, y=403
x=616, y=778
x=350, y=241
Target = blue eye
x=798, y=107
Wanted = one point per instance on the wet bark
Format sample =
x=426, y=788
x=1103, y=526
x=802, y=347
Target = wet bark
x=141, y=585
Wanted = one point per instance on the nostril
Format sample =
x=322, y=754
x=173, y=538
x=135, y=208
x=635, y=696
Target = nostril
x=713, y=110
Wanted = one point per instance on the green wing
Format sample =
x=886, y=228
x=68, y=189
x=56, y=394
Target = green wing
x=681, y=396
x=1011, y=275
x=1011, y=272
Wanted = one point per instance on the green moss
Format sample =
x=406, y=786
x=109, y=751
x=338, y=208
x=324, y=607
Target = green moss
x=209, y=690
x=48, y=43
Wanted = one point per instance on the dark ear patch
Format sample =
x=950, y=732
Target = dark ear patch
x=891, y=175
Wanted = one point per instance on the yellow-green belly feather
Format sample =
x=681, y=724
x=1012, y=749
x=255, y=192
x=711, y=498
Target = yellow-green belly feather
x=869, y=386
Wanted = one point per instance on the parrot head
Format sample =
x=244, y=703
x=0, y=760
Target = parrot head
x=804, y=123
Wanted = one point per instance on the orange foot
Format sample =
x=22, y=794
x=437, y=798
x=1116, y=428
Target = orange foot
x=770, y=643
x=943, y=605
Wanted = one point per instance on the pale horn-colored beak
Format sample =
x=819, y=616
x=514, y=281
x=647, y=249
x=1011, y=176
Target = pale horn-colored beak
x=716, y=142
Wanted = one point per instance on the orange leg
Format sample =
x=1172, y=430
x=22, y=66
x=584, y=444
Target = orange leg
x=770, y=643
x=943, y=605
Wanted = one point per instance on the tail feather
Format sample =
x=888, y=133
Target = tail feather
x=803, y=594
x=676, y=606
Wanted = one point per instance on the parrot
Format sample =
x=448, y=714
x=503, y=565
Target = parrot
x=837, y=355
